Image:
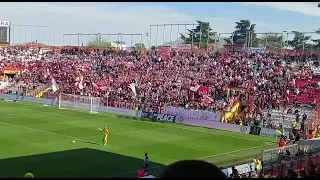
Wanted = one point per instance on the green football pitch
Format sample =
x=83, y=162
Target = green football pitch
x=39, y=138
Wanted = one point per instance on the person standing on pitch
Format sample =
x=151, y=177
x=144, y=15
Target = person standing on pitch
x=105, y=135
x=28, y=175
x=146, y=161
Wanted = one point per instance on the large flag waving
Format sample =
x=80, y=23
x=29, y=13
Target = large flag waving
x=132, y=86
x=100, y=87
x=54, y=85
x=199, y=88
x=80, y=83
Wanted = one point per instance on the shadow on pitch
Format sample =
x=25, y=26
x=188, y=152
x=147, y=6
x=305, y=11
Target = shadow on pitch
x=78, y=163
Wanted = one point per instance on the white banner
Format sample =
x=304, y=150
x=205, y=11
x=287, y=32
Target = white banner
x=242, y=169
x=184, y=47
x=190, y=114
x=123, y=111
x=266, y=132
x=309, y=145
x=4, y=23
x=245, y=129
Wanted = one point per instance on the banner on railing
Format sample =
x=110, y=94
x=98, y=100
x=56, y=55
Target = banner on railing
x=245, y=129
x=191, y=114
x=130, y=105
x=165, y=51
x=158, y=116
x=10, y=68
x=309, y=145
x=242, y=169
x=295, y=165
x=266, y=132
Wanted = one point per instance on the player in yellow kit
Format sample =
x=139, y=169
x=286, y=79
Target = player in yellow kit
x=105, y=135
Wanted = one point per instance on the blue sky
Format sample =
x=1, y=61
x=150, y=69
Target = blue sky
x=136, y=17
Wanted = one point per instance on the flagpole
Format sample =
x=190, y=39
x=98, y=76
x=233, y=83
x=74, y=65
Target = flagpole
x=107, y=100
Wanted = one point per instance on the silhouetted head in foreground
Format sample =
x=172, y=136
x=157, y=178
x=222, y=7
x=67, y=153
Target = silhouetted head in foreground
x=192, y=169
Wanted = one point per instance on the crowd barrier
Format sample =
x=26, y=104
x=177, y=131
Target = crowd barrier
x=310, y=146
x=159, y=117
x=242, y=169
x=281, y=169
x=272, y=155
x=185, y=114
x=191, y=114
x=52, y=102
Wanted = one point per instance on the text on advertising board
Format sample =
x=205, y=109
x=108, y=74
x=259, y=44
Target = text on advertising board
x=245, y=129
x=158, y=116
x=4, y=23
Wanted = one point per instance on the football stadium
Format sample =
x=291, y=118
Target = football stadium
x=176, y=100
x=34, y=135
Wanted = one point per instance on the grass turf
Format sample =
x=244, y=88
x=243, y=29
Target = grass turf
x=40, y=138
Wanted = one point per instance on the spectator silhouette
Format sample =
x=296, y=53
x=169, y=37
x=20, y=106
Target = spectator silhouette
x=192, y=169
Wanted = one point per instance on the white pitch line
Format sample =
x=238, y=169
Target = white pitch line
x=201, y=158
x=228, y=153
x=164, y=124
x=58, y=134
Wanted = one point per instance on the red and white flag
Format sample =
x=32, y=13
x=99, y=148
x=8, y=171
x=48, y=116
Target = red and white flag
x=47, y=73
x=132, y=86
x=99, y=86
x=54, y=85
x=199, y=88
x=207, y=100
x=80, y=83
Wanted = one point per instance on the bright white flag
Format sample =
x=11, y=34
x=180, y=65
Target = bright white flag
x=54, y=85
x=80, y=83
x=133, y=88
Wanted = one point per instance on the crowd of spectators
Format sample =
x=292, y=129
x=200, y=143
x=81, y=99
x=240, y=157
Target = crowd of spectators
x=167, y=80
x=264, y=82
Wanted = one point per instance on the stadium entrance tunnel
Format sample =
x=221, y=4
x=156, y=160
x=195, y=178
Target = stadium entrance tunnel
x=77, y=163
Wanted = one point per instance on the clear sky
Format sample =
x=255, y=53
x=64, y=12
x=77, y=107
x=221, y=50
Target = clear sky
x=136, y=18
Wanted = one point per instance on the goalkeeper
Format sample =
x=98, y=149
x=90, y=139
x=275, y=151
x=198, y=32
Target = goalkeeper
x=105, y=135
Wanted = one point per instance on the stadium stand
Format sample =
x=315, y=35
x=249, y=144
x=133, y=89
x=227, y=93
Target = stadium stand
x=270, y=93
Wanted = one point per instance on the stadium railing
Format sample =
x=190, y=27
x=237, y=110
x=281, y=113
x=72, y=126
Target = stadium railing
x=272, y=155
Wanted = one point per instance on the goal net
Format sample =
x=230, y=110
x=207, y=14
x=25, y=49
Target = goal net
x=76, y=102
